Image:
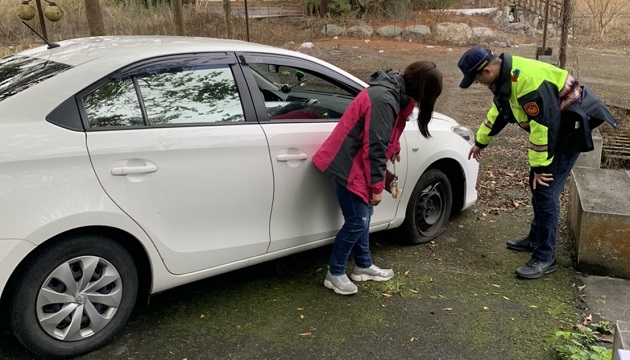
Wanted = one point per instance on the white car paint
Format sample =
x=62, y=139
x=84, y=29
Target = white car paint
x=200, y=200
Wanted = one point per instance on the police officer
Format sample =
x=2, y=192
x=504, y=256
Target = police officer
x=558, y=113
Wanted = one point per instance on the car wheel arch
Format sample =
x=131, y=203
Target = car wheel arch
x=124, y=252
x=129, y=242
x=457, y=177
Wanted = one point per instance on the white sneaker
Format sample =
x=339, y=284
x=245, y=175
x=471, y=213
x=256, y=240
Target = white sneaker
x=340, y=284
x=373, y=273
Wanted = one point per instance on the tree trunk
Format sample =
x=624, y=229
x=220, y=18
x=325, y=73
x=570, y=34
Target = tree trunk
x=323, y=8
x=178, y=17
x=94, y=16
x=397, y=9
x=564, y=35
x=227, y=8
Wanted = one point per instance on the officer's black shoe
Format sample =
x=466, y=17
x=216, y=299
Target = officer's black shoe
x=536, y=268
x=524, y=244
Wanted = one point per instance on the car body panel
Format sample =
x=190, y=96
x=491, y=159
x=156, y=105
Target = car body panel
x=291, y=206
x=208, y=201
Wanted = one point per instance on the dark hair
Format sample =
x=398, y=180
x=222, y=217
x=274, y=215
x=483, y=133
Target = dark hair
x=423, y=83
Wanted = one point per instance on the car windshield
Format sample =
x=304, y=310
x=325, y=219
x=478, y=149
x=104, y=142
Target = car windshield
x=18, y=73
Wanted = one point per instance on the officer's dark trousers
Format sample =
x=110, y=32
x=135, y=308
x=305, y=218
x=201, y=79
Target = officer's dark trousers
x=546, y=203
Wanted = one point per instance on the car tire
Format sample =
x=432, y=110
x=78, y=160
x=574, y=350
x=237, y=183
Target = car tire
x=429, y=207
x=56, y=311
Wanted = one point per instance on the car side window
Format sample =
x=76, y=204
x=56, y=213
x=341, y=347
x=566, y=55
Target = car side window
x=113, y=104
x=201, y=95
x=292, y=93
x=188, y=95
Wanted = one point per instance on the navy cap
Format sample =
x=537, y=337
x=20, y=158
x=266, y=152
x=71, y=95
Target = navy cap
x=472, y=63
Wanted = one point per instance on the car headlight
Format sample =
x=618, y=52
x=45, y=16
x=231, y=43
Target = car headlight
x=465, y=133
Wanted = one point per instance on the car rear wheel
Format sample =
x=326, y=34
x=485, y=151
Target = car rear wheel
x=429, y=207
x=73, y=296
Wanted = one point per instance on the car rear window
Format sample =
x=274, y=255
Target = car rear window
x=18, y=73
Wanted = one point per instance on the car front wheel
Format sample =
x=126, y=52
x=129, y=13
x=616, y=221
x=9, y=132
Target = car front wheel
x=73, y=296
x=429, y=207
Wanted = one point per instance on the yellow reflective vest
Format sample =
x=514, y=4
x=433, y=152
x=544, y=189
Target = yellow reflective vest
x=547, y=102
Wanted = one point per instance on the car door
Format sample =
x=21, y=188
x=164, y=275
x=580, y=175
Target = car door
x=299, y=104
x=176, y=145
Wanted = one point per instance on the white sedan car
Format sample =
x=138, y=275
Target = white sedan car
x=130, y=165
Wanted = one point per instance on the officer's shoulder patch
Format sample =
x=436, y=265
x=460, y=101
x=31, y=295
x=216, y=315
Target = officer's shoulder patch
x=531, y=108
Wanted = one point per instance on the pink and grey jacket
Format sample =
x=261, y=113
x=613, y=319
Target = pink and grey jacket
x=367, y=135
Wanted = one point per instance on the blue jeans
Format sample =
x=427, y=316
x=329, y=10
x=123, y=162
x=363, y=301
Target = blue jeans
x=546, y=203
x=354, y=236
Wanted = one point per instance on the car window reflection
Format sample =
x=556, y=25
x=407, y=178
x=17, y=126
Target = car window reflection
x=113, y=104
x=192, y=95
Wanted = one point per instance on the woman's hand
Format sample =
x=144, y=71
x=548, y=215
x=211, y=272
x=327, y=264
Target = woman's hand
x=395, y=157
x=376, y=199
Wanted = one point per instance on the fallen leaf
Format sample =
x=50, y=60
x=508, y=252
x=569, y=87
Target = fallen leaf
x=387, y=295
x=202, y=316
x=308, y=333
x=506, y=298
x=430, y=279
x=300, y=309
x=485, y=308
x=581, y=288
x=448, y=309
x=496, y=285
x=413, y=339
x=407, y=273
x=415, y=291
x=533, y=306
x=301, y=316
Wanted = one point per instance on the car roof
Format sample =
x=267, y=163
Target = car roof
x=128, y=49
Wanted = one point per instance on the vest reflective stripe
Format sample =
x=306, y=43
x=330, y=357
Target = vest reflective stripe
x=487, y=124
x=537, y=148
x=539, y=158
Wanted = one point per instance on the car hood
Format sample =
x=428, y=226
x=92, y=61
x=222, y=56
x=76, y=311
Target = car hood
x=437, y=120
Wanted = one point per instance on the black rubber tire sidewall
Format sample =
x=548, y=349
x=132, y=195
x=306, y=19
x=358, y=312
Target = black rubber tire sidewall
x=410, y=228
x=23, y=319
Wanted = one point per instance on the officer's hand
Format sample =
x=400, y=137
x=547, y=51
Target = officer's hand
x=475, y=152
x=395, y=157
x=542, y=179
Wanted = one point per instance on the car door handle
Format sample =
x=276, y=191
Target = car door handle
x=289, y=157
x=127, y=170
